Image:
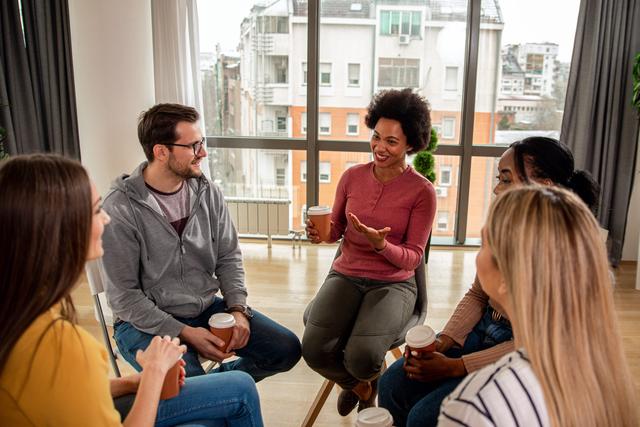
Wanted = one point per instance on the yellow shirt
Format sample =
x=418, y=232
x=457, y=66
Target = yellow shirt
x=62, y=381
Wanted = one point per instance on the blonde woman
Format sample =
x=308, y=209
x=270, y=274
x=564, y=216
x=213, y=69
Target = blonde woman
x=543, y=261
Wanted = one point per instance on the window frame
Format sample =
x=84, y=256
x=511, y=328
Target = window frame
x=466, y=151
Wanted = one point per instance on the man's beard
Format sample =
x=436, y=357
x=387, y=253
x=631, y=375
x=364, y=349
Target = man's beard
x=184, y=172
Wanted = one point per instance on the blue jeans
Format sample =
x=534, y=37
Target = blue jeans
x=228, y=399
x=271, y=349
x=414, y=403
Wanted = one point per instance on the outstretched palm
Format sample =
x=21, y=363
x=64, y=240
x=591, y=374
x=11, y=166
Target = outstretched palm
x=376, y=237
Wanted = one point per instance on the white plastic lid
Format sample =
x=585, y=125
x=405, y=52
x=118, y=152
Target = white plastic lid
x=222, y=320
x=420, y=336
x=374, y=417
x=319, y=210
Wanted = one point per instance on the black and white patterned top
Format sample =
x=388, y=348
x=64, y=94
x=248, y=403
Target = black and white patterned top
x=506, y=393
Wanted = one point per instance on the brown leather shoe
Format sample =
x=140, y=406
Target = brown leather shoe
x=347, y=401
x=371, y=401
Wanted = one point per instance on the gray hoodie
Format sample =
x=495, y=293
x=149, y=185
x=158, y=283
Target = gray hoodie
x=153, y=274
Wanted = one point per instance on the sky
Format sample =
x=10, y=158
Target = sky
x=531, y=21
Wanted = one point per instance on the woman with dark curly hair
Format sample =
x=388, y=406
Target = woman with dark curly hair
x=383, y=211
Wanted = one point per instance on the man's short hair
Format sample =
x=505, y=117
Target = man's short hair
x=158, y=124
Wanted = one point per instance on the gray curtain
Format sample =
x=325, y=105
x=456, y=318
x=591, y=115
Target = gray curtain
x=599, y=122
x=36, y=78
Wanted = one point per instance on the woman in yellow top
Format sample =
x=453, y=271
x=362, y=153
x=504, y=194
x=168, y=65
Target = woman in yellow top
x=53, y=372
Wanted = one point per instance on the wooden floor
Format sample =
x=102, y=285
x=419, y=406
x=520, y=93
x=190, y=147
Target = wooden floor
x=282, y=280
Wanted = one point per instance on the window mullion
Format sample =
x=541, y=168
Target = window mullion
x=313, y=49
x=468, y=112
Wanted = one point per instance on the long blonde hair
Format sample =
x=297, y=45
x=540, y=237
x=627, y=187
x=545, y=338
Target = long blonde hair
x=546, y=243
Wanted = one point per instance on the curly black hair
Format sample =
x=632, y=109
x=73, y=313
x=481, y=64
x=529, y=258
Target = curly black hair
x=410, y=109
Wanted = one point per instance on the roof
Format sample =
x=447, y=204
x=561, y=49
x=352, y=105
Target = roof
x=456, y=10
x=440, y=10
x=363, y=9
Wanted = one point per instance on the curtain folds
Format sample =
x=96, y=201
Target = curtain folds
x=36, y=78
x=176, y=55
x=599, y=124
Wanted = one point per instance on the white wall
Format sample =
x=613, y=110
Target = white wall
x=632, y=233
x=113, y=67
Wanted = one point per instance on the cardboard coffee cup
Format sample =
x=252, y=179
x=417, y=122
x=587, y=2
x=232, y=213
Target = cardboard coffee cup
x=320, y=216
x=221, y=325
x=374, y=417
x=421, y=338
x=171, y=385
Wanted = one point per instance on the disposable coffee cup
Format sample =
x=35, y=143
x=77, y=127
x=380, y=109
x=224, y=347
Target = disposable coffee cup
x=421, y=338
x=374, y=417
x=221, y=325
x=171, y=385
x=320, y=216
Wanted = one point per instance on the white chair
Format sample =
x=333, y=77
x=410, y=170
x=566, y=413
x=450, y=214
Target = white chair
x=95, y=277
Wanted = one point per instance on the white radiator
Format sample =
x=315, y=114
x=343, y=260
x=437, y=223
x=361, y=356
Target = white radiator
x=260, y=216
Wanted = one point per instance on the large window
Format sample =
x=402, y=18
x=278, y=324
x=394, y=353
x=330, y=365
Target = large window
x=398, y=72
x=256, y=73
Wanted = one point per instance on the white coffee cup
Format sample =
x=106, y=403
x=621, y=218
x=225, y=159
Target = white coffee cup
x=374, y=417
x=421, y=338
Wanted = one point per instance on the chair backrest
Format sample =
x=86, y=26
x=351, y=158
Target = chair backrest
x=95, y=276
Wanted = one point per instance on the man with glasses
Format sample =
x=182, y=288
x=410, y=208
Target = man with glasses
x=171, y=246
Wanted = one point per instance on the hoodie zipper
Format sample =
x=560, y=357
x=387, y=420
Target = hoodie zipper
x=172, y=230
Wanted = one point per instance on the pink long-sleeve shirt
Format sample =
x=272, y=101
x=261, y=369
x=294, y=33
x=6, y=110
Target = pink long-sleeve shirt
x=406, y=204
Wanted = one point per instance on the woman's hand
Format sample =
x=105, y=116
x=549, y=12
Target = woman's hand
x=432, y=366
x=160, y=356
x=375, y=237
x=162, y=353
x=444, y=343
x=312, y=232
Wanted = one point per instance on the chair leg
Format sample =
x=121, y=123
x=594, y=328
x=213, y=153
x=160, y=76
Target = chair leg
x=318, y=403
x=105, y=336
x=396, y=353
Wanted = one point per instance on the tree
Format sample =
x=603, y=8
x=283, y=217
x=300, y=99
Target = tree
x=546, y=117
x=424, y=161
x=504, y=123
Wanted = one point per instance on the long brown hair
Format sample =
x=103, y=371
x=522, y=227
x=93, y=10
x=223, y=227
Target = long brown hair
x=45, y=224
x=547, y=245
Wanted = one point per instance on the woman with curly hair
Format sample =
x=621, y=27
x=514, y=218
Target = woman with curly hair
x=383, y=211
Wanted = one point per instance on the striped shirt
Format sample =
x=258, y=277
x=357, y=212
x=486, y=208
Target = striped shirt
x=506, y=393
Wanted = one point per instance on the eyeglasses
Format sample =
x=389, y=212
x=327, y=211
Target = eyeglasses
x=196, y=146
